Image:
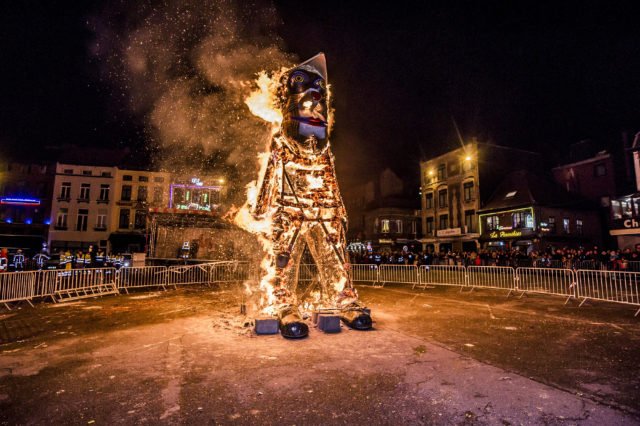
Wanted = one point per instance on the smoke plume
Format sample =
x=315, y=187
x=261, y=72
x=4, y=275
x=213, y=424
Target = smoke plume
x=184, y=67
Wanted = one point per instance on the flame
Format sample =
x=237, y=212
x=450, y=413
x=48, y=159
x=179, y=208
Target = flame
x=262, y=101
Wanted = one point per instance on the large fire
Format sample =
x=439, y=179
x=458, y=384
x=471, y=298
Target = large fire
x=262, y=103
x=296, y=204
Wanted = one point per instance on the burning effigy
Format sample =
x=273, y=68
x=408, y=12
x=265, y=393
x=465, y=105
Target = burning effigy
x=296, y=203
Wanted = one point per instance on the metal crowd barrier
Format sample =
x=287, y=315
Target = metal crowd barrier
x=191, y=274
x=307, y=272
x=441, y=275
x=45, y=284
x=500, y=277
x=17, y=286
x=232, y=271
x=398, y=274
x=81, y=283
x=609, y=286
x=140, y=277
x=560, y=282
x=364, y=273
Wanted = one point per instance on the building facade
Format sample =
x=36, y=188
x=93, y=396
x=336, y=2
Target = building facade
x=83, y=199
x=527, y=212
x=457, y=184
x=190, y=223
x=449, y=195
x=25, y=205
x=136, y=191
x=383, y=215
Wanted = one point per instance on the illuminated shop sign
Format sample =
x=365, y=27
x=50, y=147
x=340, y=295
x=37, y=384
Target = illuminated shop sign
x=194, y=197
x=20, y=201
x=448, y=232
x=505, y=234
x=631, y=223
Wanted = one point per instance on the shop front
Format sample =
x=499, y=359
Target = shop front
x=523, y=239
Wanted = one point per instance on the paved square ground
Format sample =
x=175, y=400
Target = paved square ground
x=436, y=356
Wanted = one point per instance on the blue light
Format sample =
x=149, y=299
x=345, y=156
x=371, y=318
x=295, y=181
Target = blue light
x=8, y=220
x=47, y=221
x=28, y=221
x=20, y=201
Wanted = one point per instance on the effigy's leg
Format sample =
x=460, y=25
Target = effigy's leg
x=291, y=272
x=331, y=269
x=285, y=235
x=327, y=250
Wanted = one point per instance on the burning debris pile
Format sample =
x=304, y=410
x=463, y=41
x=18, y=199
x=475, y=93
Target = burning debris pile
x=297, y=203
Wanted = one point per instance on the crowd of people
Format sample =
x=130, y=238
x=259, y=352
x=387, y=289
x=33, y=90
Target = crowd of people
x=581, y=258
x=62, y=259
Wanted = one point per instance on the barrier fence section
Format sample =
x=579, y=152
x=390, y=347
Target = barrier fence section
x=364, y=273
x=441, y=275
x=307, y=272
x=609, y=286
x=190, y=274
x=17, y=286
x=500, y=277
x=140, y=277
x=560, y=282
x=398, y=274
x=45, y=284
x=82, y=283
x=232, y=271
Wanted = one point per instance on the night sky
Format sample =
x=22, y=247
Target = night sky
x=517, y=74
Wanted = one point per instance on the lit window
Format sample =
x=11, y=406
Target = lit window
x=625, y=205
x=444, y=222
x=123, y=222
x=468, y=191
x=579, y=226
x=104, y=193
x=81, y=224
x=429, y=200
x=101, y=220
x=65, y=191
x=566, y=225
x=492, y=223
x=442, y=198
x=528, y=221
x=468, y=219
x=61, y=219
x=385, y=226
x=616, y=209
x=85, y=188
x=510, y=194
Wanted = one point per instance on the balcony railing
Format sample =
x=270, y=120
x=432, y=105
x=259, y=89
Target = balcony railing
x=82, y=200
x=66, y=199
x=102, y=201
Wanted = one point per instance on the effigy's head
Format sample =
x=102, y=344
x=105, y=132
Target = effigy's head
x=303, y=99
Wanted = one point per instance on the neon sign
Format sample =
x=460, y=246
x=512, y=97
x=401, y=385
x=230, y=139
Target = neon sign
x=504, y=234
x=14, y=201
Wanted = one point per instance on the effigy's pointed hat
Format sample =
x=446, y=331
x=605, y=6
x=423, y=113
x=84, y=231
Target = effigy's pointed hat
x=317, y=63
